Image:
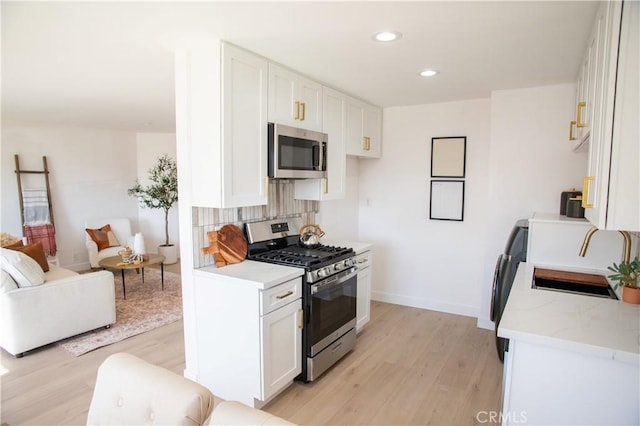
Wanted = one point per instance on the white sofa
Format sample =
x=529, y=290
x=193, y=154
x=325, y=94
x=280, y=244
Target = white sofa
x=121, y=227
x=131, y=391
x=66, y=304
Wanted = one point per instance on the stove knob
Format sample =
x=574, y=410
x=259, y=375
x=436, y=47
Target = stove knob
x=337, y=267
x=348, y=263
x=322, y=272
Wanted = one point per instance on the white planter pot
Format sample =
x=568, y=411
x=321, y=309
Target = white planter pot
x=170, y=254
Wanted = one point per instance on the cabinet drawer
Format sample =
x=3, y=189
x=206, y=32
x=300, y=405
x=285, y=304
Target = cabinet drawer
x=280, y=295
x=363, y=260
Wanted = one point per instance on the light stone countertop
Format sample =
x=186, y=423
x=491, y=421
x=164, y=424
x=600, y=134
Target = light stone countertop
x=264, y=275
x=261, y=275
x=585, y=324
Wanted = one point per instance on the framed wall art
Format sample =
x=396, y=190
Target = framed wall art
x=447, y=200
x=448, y=157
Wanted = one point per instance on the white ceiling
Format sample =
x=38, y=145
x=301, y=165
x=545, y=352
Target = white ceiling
x=110, y=64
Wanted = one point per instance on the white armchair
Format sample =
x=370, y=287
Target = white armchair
x=121, y=228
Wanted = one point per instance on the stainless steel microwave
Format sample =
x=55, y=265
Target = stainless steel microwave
x=296, y=153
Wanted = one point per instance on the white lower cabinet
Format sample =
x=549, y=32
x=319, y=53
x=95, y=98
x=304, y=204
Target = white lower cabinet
x=363, y=303
x=281, y=345
x=248, y=340
x=543, y=385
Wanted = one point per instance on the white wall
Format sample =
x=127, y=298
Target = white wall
x=531, y=164
x=150, y=146
x=518, y=162
x=90, y=172
x=420, y=262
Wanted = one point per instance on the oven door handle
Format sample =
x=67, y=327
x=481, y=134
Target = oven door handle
x=335, y=280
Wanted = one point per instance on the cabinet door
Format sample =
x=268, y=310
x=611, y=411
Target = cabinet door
x=281, y=338
x=334, y=117
x=623, y=210
x=373, y=130
x=355, y=128
x=282, y=96
x=363, y=305
x=294, y=100
x=596, y=183
x=244, y=128
x=587, y=86
x=364, y=129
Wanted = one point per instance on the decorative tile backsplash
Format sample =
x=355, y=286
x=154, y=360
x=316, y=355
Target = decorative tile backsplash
x=281, y=204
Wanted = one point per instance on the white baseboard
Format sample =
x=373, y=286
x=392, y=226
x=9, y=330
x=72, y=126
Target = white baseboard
x=434, y=305
x=485, y=323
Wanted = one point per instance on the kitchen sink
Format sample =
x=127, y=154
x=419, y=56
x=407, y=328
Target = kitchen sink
x=572, y=282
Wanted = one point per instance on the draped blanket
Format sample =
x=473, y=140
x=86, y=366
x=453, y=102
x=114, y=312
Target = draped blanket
x=37, y=219
x=36, y=206
x=46, y=234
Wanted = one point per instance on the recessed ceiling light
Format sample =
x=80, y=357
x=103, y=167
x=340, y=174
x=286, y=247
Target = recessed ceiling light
x=387, y=36
x=428, y=73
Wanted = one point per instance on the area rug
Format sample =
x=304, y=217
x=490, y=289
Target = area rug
x=146, y=307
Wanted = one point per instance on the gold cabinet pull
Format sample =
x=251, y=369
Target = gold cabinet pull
x=282, y=296
x=364, y=143
x=297, y=117
x=266, y=186
x=304, y=111
x=572, y=135
x=579, y=121
x=586, y=184
x=300, y=318
x=326, y=185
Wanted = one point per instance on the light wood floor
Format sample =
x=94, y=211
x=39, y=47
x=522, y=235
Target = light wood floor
x=410, y=366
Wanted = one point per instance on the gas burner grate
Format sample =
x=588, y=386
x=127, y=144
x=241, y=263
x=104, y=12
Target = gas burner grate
x=302, y=256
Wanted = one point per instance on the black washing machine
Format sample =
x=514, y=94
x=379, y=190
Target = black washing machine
x=505, y=272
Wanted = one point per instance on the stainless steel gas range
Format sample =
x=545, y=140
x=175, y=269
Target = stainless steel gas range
x=329, y=290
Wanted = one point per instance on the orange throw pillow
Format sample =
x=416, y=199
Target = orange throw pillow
x=103, y=237
x=34, y=251
x=14, y=245
x=99, y=236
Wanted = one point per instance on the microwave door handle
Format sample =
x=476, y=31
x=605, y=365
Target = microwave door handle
x=323, y=156
x=316, y=157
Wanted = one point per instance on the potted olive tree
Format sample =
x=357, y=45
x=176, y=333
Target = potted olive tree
x=161, y=193
x=627, y=275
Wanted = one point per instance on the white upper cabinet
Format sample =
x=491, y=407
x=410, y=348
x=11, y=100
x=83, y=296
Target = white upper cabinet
x=611, y=190
x=334, y=117
x=221, y=123
x=364, y=129
x=294, y=100
x=580, y=129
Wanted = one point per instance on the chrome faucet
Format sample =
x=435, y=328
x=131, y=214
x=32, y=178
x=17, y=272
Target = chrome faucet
x=626, y=247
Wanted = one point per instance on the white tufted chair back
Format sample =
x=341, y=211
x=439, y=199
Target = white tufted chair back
x=130, y=391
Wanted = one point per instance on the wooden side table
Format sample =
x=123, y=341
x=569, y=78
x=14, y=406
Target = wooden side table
x=115, y=262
